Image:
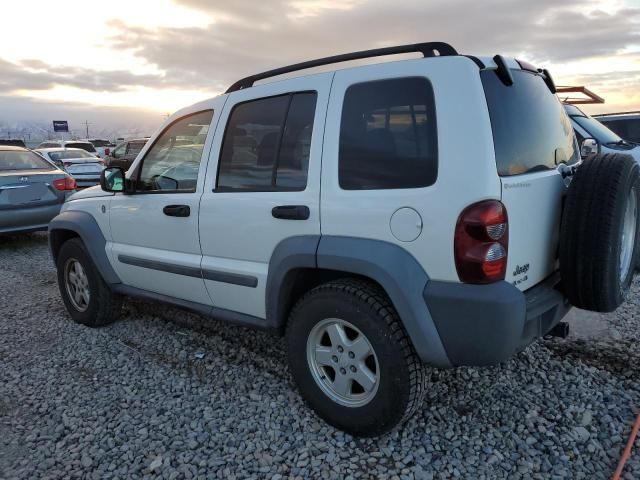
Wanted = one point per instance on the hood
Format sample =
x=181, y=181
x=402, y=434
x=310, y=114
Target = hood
x=91, y=192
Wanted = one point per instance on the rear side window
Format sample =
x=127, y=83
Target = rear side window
x=388, y=136
x=531, y=130
x=267, y=144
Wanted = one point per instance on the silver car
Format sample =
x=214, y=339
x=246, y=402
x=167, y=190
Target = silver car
x=32, y=190
x=83, y=166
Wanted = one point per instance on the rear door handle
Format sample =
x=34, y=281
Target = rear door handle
x=291, y=212
x=177, y=210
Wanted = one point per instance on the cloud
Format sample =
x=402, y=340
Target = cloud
x=247, y=36
x=33, y=74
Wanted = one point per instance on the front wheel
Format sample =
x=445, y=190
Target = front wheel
x=352, y=359
x=87, y=297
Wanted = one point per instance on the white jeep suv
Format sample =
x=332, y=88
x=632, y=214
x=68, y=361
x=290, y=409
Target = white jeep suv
x=383, y=218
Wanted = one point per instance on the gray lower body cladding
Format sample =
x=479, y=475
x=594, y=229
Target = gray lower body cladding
x=487, y=324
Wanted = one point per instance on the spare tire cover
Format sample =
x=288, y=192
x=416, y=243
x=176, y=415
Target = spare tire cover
x=598, y=247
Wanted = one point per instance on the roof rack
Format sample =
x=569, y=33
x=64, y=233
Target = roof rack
x=587, y=98
x=429, y=49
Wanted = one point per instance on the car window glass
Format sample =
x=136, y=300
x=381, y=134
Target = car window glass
x=531, y=130
x=388, y=135
x=267, y=144
x=83, y=145
x=173, y=162
x=22, y=160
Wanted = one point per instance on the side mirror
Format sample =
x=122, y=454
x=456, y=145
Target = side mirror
x=112, y=179
x=588, y=147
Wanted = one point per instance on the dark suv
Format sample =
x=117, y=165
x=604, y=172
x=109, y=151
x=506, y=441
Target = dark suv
x=124, y=154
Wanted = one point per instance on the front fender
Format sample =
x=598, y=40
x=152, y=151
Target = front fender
x=83, y=225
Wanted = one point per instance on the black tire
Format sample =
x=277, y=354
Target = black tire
x=402, y=376
x=592, y=229
x=103, y=306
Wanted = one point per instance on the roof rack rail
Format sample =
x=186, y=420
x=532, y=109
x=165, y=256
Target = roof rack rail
x=428, y=49
x=633, y=112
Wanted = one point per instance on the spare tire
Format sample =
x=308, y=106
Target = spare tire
x=598, y=247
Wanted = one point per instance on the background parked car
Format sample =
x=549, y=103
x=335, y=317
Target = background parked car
x=103, y=147
x=627, y=125
x=83, y=166
x=13, y=143
x=31, y=190
x=604, y=140
x=83, y=144
x=124, y=154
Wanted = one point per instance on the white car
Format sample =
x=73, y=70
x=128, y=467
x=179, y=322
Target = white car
x=84, y=145
x=84, y=167
x=599, y=138
x=432, y=211
x=103, y=147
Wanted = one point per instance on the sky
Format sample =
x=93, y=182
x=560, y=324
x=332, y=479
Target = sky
x=125, y=62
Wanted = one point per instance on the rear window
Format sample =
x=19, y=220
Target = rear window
x=66, y=154
x=83, y=145
x=22, y=160
x=100, y=143
x=531, y=131
x=388, y=135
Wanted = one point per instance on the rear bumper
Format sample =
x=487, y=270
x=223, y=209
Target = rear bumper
x=487, y=324
x=27, y=219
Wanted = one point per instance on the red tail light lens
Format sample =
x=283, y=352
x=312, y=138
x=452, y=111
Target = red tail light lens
x=481, y=242
x=63, y=184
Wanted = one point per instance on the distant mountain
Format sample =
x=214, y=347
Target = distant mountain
x=31, y=120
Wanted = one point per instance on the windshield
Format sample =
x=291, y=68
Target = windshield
x=67, y=154
x=22, y=160
x=531, y=131
x=597, y=130
x=83, y=145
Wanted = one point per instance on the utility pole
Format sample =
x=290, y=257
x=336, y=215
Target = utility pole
x=86, y=124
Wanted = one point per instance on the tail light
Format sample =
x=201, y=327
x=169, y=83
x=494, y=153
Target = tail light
x=107, y=151
x=63, y=184
x=481, y=242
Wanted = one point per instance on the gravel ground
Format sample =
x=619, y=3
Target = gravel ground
x=163, y=393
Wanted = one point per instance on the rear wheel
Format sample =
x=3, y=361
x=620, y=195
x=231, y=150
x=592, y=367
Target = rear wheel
x=87, y=297
x=352, y=359
x=598, y=244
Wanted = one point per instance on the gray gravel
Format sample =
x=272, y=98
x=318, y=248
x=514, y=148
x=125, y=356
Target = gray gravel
x=167, y=394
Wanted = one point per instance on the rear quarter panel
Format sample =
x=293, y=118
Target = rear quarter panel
x=466, y=164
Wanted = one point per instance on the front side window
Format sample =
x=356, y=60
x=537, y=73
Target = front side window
x=388, y=135
x=173, y=162
x=22, y=160
x=267, y=144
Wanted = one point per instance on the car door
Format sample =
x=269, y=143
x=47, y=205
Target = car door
x=263, y=186
x=155, y=245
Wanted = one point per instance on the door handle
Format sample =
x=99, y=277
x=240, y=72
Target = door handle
x=177, y=210
x=291, y=212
